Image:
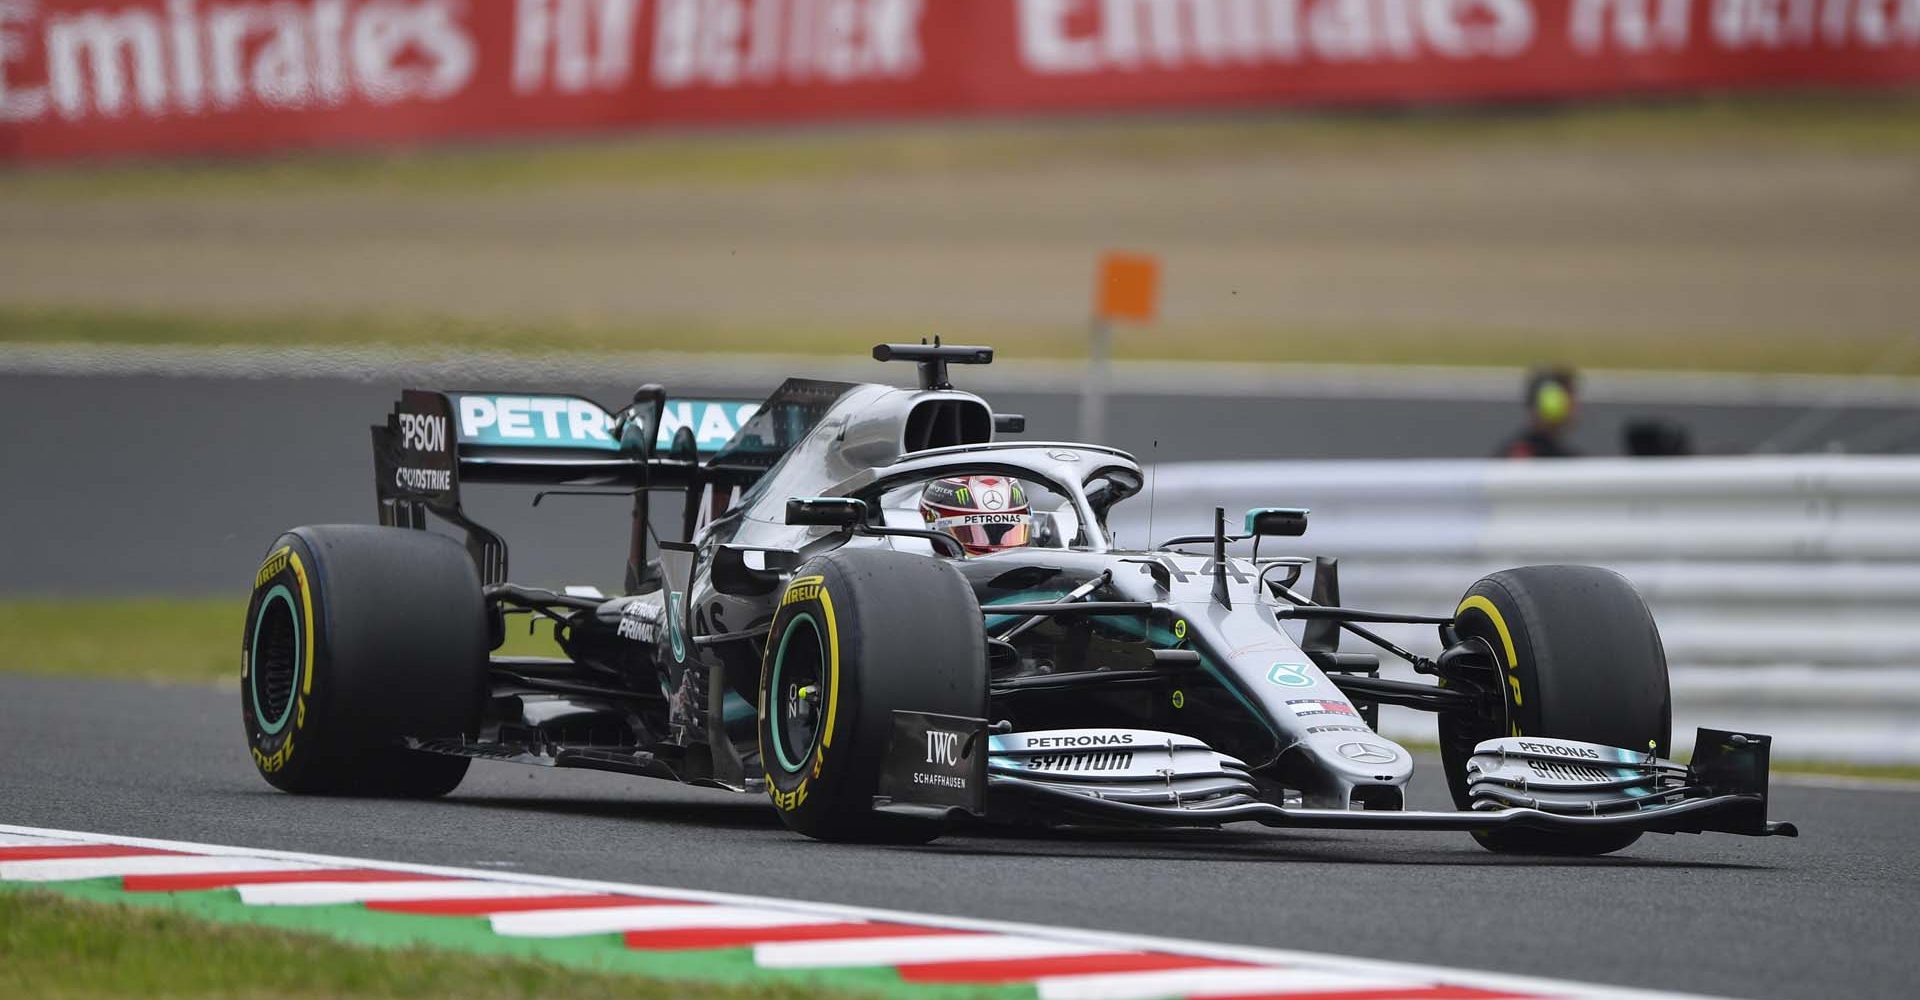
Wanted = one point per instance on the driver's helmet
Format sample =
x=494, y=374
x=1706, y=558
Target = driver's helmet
x=985, y=513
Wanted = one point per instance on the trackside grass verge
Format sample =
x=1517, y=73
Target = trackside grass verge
x=171, y=640
x=1761, y=351
x=193, y=640
x=55, y=948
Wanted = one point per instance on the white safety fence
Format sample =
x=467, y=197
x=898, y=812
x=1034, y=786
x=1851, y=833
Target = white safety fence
x=1787, y=589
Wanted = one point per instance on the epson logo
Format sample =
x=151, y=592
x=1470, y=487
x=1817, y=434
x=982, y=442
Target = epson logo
x=943, y=748
x=1560, y=751
x=1095, y=740
x=423, y=432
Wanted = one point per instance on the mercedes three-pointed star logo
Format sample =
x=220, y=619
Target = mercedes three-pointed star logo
x=1368, y=753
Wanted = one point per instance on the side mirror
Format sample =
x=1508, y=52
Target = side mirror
x=1010, y=423
x=1269, y=522
x=826, y=512
x=638, y=424
x=684, y=447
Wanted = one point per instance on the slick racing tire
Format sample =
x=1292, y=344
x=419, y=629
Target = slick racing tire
x=357, y=636
x=1581, y=660
x=859, y=634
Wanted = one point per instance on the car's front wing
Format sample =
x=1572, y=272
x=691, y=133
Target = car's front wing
x=1136, y=778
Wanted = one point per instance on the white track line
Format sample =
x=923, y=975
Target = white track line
x=1100, y=940
x=70, y=869
x=606, y=920
x=16, y=840
x=1206, y=983
x=916, y=950
x=332, y=893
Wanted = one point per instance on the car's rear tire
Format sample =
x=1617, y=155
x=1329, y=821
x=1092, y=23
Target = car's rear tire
x=357, y=636
x=1581, y=659
x=871, y=631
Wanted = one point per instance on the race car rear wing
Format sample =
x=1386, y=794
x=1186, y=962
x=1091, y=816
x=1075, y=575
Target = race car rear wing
x=434, y=442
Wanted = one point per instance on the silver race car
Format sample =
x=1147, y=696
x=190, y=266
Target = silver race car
x=866, y=605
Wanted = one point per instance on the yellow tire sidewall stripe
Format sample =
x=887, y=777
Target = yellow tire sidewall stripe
x=285, y=753
x=1480, y=603
x=833, y=667
x=306, y=612
x=792, y=800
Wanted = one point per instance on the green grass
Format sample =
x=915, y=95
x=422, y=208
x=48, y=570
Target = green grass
x=194, y=641
x=420, y=334
x=1846, y=123
x=52, y=948
x=1842, y=769
x=170, y=640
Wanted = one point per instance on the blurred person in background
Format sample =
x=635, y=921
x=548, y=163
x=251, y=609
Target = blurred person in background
x=1552, y=399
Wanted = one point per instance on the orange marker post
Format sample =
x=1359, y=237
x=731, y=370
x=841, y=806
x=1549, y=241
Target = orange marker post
x=1126, y=290
x=1129, y=288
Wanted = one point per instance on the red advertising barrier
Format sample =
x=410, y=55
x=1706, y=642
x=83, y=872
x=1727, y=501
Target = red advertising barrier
x=97, y=78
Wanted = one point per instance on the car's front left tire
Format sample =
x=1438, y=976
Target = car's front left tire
x=861, y=633
x=356, y=637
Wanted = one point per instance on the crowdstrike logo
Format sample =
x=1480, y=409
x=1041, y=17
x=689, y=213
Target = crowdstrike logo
x=423, y=480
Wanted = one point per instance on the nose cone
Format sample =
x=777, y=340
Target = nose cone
x=1366, y=757
x=1361, y=757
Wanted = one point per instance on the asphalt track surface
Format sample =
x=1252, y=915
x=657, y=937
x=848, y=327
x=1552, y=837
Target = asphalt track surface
x=151, y=484
x=146, y=484
x=1832, y=914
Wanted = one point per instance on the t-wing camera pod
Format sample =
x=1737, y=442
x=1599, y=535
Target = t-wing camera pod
x=933, y=359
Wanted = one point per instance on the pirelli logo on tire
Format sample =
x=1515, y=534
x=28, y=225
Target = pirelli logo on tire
x=806, y=588
x=786, y=801
x=799, y=694
x=274, y=566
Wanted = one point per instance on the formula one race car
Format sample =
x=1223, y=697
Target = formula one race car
x=884, y=618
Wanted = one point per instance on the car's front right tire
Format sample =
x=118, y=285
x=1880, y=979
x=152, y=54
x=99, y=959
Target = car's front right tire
x=1579, y=659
